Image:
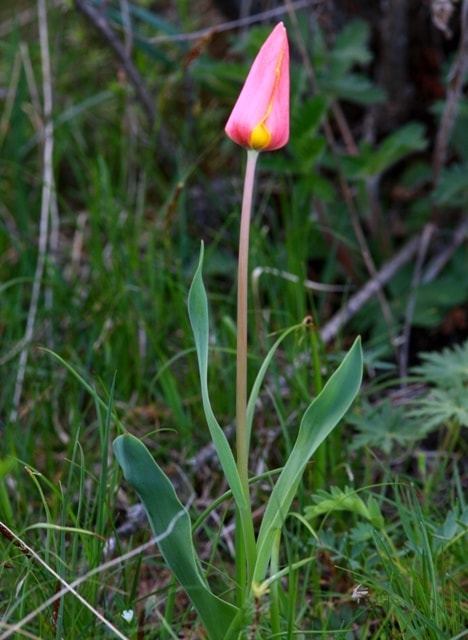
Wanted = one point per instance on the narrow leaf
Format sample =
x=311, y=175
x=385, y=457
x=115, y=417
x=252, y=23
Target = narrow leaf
x=198, y=314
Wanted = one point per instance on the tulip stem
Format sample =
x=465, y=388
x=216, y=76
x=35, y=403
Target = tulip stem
x=242, y=443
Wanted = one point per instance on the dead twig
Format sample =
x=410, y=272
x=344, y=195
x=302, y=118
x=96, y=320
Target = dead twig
x=439, y=261
x=417, y=244
x=240, y=23
x=442, y=11
x=100, y=23
x=46, y=203
x=370, y=289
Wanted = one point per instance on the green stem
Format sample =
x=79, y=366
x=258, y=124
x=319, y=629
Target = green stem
x=242, y=442
x=245, y=538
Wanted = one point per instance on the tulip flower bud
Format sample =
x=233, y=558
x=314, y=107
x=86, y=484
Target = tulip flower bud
x=260, y=118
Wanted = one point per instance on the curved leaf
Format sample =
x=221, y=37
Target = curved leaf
x=320, y=418
x=198, y=314
x=172, y=527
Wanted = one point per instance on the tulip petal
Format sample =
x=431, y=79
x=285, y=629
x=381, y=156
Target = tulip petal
x=260, y=117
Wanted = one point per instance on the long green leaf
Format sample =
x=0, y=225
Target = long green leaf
x=172, y=527
x=198, y=314
x=320, y=418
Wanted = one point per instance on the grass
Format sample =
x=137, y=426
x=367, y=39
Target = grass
x=132, y=205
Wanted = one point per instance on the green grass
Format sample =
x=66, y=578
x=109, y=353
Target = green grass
x=133, y=205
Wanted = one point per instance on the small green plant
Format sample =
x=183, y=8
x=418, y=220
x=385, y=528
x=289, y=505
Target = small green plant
x=384, y=427
x=345, y=500
x=443, y=407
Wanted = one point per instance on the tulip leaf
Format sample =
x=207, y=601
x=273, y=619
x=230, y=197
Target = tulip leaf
x=320, y=418
x=171, y=525
x=198, y=314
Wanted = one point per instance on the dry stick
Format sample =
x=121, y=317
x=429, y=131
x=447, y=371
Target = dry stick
x=291, y=277
x=129, y=113
x=11, y=92
x=437, y=263
x=53, y=235
x=356, y=302
x=99, y=21
x=47, y=184
x=262, y=16
x=371, y=288
x=52, y=258
x=367, y=257
x=345, y=131
x=454, y=90
x=127, y=28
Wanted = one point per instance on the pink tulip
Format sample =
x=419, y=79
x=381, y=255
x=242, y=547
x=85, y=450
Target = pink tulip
x=260, y=118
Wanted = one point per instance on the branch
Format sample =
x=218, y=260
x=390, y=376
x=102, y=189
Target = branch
x=100, y=23
x=416, y=245
x=47, y=197
x=370, y=289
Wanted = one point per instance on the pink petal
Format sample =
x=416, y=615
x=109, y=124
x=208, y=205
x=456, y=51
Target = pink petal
x=264, y=98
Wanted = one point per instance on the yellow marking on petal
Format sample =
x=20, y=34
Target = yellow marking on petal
x=260, y=137
x=275, y=86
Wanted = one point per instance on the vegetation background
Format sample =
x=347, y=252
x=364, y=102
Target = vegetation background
x=113, y=167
